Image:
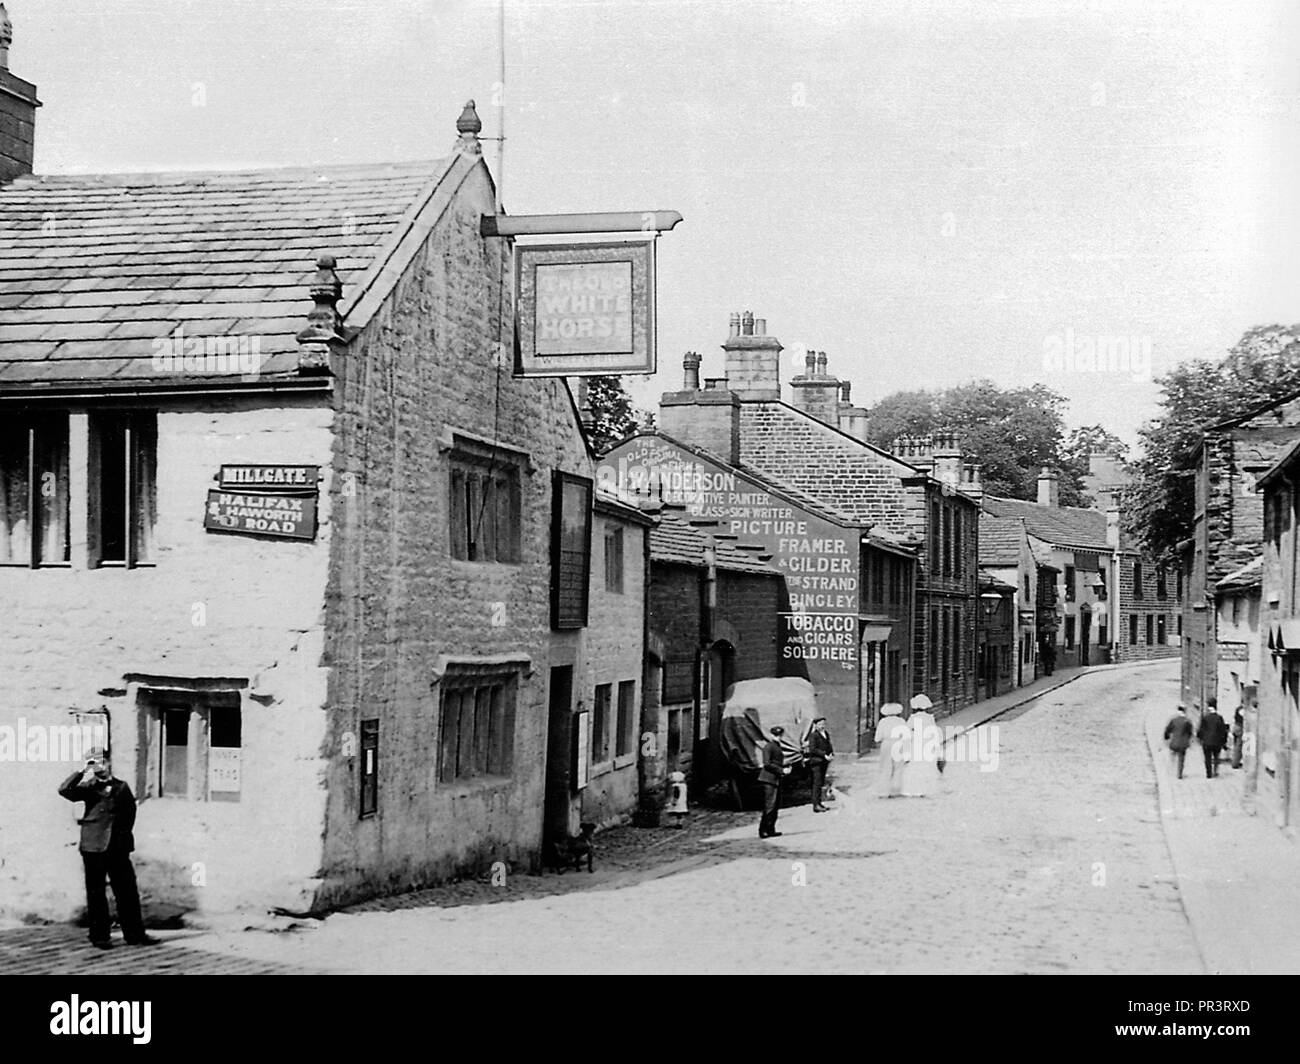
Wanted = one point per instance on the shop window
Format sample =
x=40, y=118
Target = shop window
x=484, y=502
x=1150, y=629
x=1162, y=631
x=1069, y=633
x=600, y=722
x=614, y=560
x=195, y=745
x=476, y=721
x=124, y=449
x=34, y=490
x=625, y=737
x=570, y=550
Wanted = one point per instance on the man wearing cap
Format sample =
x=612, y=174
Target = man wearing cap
x=818, y=757
x=770, y=776
x=106, y=845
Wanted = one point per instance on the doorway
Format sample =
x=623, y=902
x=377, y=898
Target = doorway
x=1085, y=637
x=559, y=755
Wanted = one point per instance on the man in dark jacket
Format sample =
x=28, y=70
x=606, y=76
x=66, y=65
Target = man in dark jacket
x=770, y=776
x=106, y=845
x=1178, y=733
x=1213, y=737
x=818, y=757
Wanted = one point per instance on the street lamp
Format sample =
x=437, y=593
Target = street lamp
x=991, y=601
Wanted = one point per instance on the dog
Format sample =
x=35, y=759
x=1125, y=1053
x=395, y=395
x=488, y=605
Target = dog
x=573, y=849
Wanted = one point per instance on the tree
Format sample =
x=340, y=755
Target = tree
x=1012, y=433
x=1261, y=368
x=612, y=408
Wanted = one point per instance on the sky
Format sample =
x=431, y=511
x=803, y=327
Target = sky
x=929, y=192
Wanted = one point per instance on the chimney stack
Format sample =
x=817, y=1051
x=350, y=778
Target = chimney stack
x=753, y=359
x=18, y=105
x=691, y=362
x=816, y=392
x=947, y=457
x=1049, y=488
x=972, y=482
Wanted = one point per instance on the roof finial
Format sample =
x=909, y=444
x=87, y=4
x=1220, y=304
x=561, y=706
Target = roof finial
x=323, y=320
x=6, y=37
x=469, y=126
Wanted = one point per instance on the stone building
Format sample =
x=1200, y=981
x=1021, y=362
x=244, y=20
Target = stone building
x=715, y=605
x=995, y=643
x=1227, y=529
x=844, y=610
x=919, y=511
x=1007, y=555
x=1275, y=775
x=290, y=533
x=1114, y=604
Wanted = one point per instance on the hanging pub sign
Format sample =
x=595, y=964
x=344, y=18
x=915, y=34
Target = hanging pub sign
x=585, y=309
x=261, y=514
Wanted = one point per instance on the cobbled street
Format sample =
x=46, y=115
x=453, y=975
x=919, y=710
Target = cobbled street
x=1055, y=861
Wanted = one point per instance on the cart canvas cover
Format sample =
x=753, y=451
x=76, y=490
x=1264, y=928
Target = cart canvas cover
x=754, y=706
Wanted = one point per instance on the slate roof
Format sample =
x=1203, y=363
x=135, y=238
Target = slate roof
x=94, y=269
x=677, y=541
x=1063, y=526
x=1000, y=540
x=1247, y=577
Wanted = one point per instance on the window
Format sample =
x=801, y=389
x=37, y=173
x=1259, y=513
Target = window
x=600, y=725
x=1026, y=587
x=625, y=739
x=947, y=541
x=1103, y=633
x=614, y=560
x=369, y=767
x=1069, y=583
x=1162, y=631
x=936, y=540
x=1137, y=580
x=957, y=663
x=195, y=745
x=477, y=722
x=1132, y=629
x=34, y=490
x=124, y=450
x=484, y=503
x=878, y=563
x=1180, y=624
x=1178, y=583
x=570, y=550
x=934, y=644
x=945, y=650
x=1069, y=633
x=896, y=574
x=1150, y=627
x=1162, y=587
x=956, y=544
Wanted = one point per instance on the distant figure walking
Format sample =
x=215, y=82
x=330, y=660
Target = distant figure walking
x=820, y=752
x=1213, y=737
x=894, y=738
x=921, y=775
x=1238, y=735
x=1178, y=733
x=770, y=776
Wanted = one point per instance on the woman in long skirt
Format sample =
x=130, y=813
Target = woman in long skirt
x=921, y=775
x=894, y=739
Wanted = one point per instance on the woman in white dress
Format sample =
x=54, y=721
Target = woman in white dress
x=894, y=739
x=921, y=774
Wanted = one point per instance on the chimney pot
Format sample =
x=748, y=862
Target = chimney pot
x=821, y=363
x=760, y=326
x=6, y=37
x=810, y=360
x=734, y=324
x=691, y=363
x=845, y=388
x=747, y=324
x=1049, y=488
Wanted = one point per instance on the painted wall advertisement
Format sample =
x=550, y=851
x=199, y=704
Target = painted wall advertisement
x=819, y=560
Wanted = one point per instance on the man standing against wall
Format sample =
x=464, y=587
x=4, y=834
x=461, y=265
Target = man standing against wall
x=106, y=845
x=770, y=776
